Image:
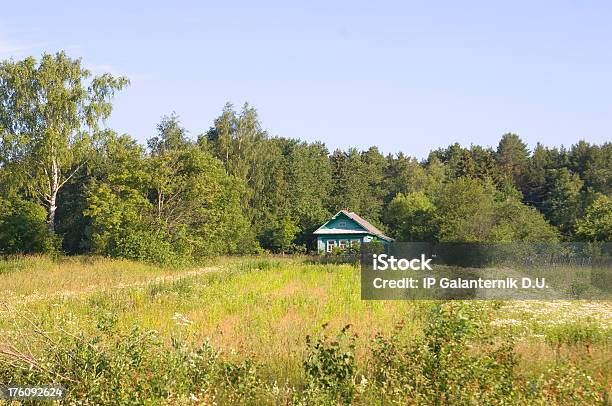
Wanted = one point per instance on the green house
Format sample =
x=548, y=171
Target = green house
x=345, y=229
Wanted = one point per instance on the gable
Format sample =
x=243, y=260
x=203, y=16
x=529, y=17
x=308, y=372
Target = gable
x=349, y=223
x=342, y=222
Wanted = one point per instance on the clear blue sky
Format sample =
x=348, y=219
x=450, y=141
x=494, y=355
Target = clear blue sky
x=409, y=76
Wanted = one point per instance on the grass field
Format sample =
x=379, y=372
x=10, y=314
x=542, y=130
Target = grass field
x=256, y=313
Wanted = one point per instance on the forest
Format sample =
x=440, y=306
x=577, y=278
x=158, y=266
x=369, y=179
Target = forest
x=70, y=185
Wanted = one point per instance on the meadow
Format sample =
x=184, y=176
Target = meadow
x=285, y=330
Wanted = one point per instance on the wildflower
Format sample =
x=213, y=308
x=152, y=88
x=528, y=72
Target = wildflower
x=181, y=320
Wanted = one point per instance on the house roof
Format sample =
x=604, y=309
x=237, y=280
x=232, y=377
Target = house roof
x=340, y=231
x=366, y=225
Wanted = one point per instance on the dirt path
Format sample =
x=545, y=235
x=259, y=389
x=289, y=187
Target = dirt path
x=96, y=288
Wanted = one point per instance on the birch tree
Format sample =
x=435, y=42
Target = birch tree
x=49, y=116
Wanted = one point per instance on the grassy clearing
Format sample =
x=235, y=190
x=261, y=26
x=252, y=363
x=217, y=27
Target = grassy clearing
x=34, y=278
x=263, y=309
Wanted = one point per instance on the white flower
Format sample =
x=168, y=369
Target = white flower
x=181, y=320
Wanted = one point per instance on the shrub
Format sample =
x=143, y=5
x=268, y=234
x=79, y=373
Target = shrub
x=23, y=228
x=575, y=334
x=142, y=245
x=130, y=368
x=241, y=383
x=564, y=384
x=455, y=362
x=330, y=367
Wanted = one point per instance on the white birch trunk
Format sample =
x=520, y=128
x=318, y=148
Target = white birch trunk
x=54, y=185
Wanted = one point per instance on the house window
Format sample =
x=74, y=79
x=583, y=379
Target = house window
x=342, y=224
x=343, y=244
x=331, y=244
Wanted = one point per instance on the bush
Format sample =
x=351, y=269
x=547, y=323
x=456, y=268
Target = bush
x=134, y=368
x=564, y=384
x=575, y=334
x=330, y=367
x=443, y=366
x=23, y=228
x=142, y=245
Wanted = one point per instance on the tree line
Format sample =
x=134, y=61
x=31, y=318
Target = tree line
x=67, y=184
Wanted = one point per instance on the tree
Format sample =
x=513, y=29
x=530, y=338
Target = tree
x=196, y=203
x=281, y=235
x=176, y=203
x=538, y=176
x=466, y=207
x=238, y=140
x=118, y=207
x=485, y=166
x=171, y=136
x=452, y=158
x=307, y=176
x=375, y=166
x=403, y=175
x=412, y=217
x=349, y=183
x=357, y=182
x=166, y=150
x=435, y=175
x=473, y=210
x=466, y=165
x=512, y=156
x=49, y=116
x=515, y=222
x=564, y=202
x=22, y=228
x=594, y=165
x=596, y=225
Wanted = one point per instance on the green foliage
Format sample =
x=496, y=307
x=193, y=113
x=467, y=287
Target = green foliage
x=131, y=368
x=241, y=382
x=582, y=333
x=357, y=182
x=516, y=222
x=237, y=189
x=461, y=360
x=512, y=157
x=596, y=225
x=281, y=236
x=473, y=210
x=49, y=121
x=238, y=141
x=23, y=228
x=330, y=367
x=119, y=228
x=564, y=385
x=176, y=204
x=467, y=208
x=594, y=165
x=441, y=368
x=563, y=204
x=307, y=176
x=412, y=217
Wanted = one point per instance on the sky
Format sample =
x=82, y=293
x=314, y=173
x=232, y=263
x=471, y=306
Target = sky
x=405, y=76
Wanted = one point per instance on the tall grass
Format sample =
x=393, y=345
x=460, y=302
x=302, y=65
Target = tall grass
x=256, y=314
